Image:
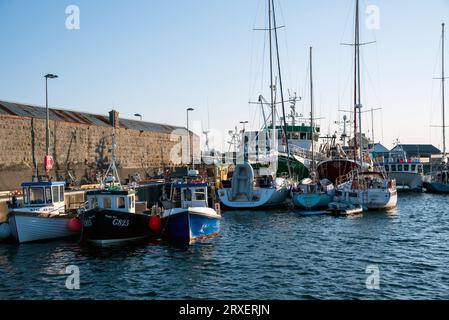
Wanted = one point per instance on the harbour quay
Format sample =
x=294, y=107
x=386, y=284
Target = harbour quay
x=80, y=145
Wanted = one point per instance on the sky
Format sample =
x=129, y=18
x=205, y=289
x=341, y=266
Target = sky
x=159, y=57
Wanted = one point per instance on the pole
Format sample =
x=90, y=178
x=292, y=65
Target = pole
x=47, y=142
x=188, y=135
x=273, y=107
x=443, y=102
x=282, y=92
x=311, y=110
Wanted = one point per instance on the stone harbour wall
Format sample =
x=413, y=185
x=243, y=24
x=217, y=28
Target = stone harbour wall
x=80, y=151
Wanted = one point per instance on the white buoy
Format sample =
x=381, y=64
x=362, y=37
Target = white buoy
x=5, y=231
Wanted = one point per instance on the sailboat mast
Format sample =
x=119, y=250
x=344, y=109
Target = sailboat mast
x=311, y=110
x=273, y=106
x=281, y=89
x=357, y=88
x=442, y=90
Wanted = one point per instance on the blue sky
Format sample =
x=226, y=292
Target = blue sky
x=157, y=57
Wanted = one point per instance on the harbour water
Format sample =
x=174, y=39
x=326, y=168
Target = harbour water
x=258, y=255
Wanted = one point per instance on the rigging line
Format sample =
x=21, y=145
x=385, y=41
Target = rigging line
x=254, y=59
x=288, y=64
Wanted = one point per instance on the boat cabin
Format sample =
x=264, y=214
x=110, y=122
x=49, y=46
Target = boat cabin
x=404, y=167
x=189, y=195
x=109, y=199
x=45, y=196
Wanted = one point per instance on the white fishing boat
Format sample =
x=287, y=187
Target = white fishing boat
x=41, y=215
x=253, y=190
x=408, y=173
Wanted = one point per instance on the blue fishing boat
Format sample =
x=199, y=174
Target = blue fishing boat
x=188, y=215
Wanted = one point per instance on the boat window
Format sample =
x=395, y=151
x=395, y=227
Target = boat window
x=200, y=195
x=295, y=135
x=406, y=167
x=93, y=203
x=393, y=168
x=387, y=168
x=48, y=194
x=303, y=136
x=55, y=190
x=61, y=193
x=187, y=195
x=400, y=167
x=121, y=203
x=107, y=202
x=37, y=196
x=26, y=195
x=413, y=167
x=420, y=169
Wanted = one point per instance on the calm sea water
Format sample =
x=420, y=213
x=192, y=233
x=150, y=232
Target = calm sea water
x=259, y=255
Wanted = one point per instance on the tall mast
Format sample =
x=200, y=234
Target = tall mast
x=273, y=106
x=311, y=109
x=357, y=88
x=442, y=90
x=281, y=89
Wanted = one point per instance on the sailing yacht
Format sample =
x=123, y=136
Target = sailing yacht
x=312, y=193
x=262, y=179
x=439, y=181
x=370, y=188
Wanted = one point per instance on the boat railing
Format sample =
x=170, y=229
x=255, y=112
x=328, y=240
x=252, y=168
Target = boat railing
x=306, y=154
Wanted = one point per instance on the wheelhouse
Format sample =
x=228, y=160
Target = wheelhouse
x=190, y=195
x=40, y=194
x=117, y=200
x=404, y=167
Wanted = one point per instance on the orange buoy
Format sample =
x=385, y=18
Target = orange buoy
x=155, y=223
x=75, y=225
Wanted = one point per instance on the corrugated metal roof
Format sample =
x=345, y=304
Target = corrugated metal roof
x=29, y=111
x=417, y=149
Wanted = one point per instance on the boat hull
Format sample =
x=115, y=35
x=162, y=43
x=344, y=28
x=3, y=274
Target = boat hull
x=372, y=199
x=263, y=197
x=311, y=200
x=190, y=225
x=106, y=227
x=28, y=227
x=407, y=180
x=333, y=169
x=437, y=187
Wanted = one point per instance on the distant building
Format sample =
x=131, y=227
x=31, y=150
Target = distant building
x=379, y=152
x=422, y=151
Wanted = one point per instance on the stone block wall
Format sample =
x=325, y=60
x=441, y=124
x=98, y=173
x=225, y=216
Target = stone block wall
x=82, y=150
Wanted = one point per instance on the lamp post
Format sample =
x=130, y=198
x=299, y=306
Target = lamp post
x=138, y=115
x=47, y=136
x=189, y=137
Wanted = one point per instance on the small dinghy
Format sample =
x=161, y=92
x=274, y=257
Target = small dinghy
x=344, y=209
x=313, y=213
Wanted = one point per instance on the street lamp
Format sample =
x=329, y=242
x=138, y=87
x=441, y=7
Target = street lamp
x=47, y=144
x=138, y=115
x=189, y=137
